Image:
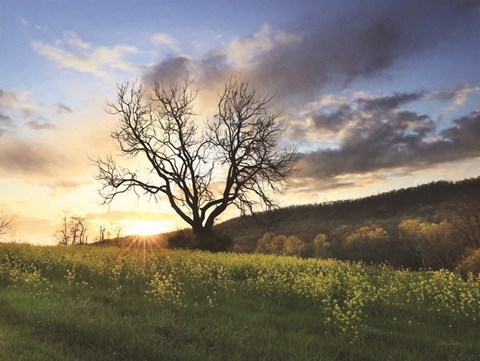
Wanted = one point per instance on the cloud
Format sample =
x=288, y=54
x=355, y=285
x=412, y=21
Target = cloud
x=25, y=23
x=67, y=185
x=18, y=107
x=367, y=39
x=19, y=104
x=245, y=52
x=171, y=70
x=238, y=57
x=302, y=64
x=62, y=109
x=27, y=158
x=377, y=133
x=84, y=57
x=165, y=39
x=456, y=97
x=6, y=120
x=37, y=125
x=74, y=41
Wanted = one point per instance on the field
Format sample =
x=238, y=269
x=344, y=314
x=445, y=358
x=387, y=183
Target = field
x=92, y=303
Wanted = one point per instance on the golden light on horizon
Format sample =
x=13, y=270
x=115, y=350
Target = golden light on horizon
x=146, y=228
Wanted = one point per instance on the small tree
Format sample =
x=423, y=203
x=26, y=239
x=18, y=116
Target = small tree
x=444, y=247
x=293, y=246
x=414, y=239
x=321, y=246
x=437, y=244
x=239, y=149
x=73, y=231
x=365, y=241
x=270, y=243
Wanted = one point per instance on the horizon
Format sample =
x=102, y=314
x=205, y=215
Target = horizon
x=376, y=96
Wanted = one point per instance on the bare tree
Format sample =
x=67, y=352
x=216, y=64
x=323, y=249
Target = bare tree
x=63, y=233
x=102, y=234
x=78, y=230
x=6, y=222
x=73, y=231
x=201, y=168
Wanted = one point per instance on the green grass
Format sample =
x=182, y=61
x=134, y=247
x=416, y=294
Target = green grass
x=86, y=303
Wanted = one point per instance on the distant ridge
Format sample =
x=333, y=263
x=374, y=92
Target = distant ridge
x=306, y=221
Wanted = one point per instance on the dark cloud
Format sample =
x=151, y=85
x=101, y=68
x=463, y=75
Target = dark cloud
x=388, y=102
x=362, y=42
x=335, y=120
x=390, y=137
x=5, y=120
x=171, y=70
x=464, y=137
x=362, y=109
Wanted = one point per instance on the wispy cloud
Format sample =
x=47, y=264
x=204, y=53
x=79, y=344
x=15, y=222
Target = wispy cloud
x=165, y=39
x=26, y=157
x=28, y=24
x=456, y=97
x=74, y=53
x=18, y=107
x=62, y=108
x=38, y=125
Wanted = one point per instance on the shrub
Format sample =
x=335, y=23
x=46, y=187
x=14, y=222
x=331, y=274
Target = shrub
x=471, y=263
x=185, y=239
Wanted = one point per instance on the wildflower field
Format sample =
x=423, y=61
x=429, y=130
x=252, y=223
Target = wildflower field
x=92, y=303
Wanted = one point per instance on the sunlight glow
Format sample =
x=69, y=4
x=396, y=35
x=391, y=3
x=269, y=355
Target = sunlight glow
x=145, y=228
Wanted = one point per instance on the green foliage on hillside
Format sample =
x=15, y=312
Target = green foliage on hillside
x=373, y=229
x=92, y=303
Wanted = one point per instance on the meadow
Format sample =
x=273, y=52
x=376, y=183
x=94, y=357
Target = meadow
x=95, y=303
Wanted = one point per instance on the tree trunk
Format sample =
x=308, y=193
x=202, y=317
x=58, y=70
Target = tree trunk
x=203, y=238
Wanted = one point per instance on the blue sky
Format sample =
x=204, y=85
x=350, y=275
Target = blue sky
x=376, y=95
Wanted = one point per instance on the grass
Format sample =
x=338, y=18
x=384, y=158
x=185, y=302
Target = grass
x=86, y=303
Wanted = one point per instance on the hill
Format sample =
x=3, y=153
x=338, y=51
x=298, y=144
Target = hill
x=429, y=201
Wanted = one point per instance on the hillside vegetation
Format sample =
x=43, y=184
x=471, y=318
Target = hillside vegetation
x=91, y=303
x=371, y=228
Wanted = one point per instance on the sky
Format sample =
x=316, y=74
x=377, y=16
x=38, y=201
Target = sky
x=375, y=95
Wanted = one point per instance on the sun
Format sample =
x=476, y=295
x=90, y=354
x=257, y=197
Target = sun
x=146, y=228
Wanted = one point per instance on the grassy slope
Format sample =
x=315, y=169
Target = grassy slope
x=104, y=304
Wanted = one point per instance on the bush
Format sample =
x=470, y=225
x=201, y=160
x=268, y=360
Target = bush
x=471, y=263
x=214, y=242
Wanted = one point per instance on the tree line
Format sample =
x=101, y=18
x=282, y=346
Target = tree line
x=443, y=241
